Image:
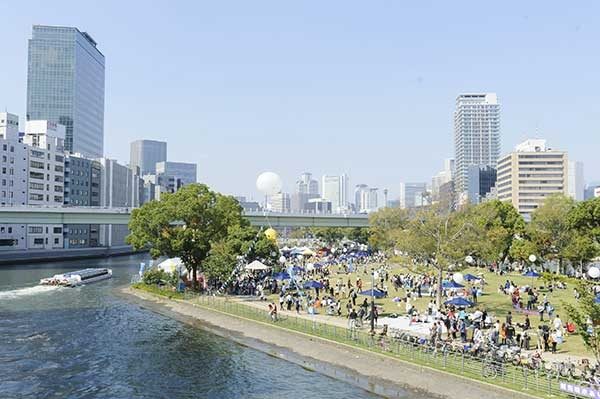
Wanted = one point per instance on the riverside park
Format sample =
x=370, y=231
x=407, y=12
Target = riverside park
x=475, y=294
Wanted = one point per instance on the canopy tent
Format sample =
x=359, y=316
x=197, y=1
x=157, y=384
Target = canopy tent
x=452, y=284
x=373, y=292
x=173, y=265
x=459, y=301
x=281, y=276
x=257, y=265
x=471, y=277
x=531, y=273
x=313, y=284
x=308, y=252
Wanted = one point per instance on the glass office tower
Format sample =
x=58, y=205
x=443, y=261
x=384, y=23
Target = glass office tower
x=145, y=154
x=65, y=84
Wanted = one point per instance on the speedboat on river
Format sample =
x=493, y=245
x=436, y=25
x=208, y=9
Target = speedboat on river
x=73, y=279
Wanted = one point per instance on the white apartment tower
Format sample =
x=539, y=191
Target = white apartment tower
x=531, y=173
x=476, y=134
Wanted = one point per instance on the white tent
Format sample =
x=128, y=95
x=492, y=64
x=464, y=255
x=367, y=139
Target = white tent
x=256, y=265
x=173, y=265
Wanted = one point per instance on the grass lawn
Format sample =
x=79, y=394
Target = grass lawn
x=496, y=304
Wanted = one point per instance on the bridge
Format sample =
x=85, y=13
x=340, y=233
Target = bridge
x=95, y=215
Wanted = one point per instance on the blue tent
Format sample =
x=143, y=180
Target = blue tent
x=458, y=301
x=313, y=284
x=375, y=293
x=281, y=276
x=452, y=284
x=531, y=273
x=597, y=300
x=470, y=277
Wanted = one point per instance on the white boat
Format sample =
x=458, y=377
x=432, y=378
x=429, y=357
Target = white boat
x=79, y=277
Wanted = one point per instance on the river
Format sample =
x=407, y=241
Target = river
x=88, y=342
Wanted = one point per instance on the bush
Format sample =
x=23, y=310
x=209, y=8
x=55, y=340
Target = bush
x=156, y=276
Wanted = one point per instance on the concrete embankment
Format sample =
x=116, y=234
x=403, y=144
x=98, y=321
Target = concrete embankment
x=374, y=372
x=35, y=255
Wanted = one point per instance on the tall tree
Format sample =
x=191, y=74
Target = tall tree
x=499, y=223
x=385, y=226
x=440, y=237
x=185, y=224
x=585, y=217
x=550, y=229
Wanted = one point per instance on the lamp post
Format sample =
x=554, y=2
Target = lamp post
x=374, y=275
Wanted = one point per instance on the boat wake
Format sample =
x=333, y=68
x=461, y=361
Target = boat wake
x=28, y=291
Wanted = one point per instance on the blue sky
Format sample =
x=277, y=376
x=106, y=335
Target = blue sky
x=366, y=88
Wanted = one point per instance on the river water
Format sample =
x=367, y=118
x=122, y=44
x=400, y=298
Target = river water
x=87, y=342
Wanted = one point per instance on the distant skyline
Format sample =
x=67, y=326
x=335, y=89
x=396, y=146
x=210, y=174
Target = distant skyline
x=329, y=88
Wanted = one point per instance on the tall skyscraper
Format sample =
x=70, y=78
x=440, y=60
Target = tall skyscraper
x=186, y=172
x=413, y=195
x=476, y=134
x=65, y=84
x=307, y=185
x=442, y=178
x=335, y=189
x=145, y=154
x=576, y=181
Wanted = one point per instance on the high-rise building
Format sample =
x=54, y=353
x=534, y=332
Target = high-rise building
x=531, y=173
x=576, y=181
x=307, y=185
x=365, y=198
x=65, y=84
x=46, y=162
x=480, y=180
x=186, y=172
x=441, y=178
x=45, y=179
x=280, y=202
x=306, y=188
x=335, y=190
x=145, y=154
x=476, y=134
x=413, y=195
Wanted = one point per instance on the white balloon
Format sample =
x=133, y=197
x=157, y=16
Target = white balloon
x=282, y=259
x=594, y=272
x=269, y=183
x=532, y=258
x=458, y=278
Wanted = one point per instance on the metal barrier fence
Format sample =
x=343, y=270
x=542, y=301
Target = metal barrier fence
x=540, y=382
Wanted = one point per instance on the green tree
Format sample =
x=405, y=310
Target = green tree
x=550, y=229
x=580, y=249
x=439, y=236
x=385, y=225
x=185, y=224
x=586, y=307
x=498, y=223
x=585, y=217
x=521, y=248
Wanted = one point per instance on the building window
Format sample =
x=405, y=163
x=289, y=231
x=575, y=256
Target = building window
x=38, y=241
x=36, y=229
x=57, y=230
